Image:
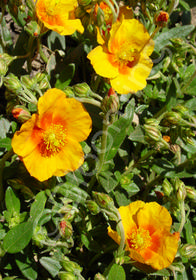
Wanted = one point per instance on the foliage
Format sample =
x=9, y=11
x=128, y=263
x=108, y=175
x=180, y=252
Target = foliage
x=142, y=145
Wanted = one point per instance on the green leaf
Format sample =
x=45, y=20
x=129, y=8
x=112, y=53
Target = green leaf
x=108, y=181
x=51, y=265
x=137, y=135
x=56, y=41
x=27, y=267
x=191, y=88
x=4, y=127
x=6, y=143
x=12, y=201
x=177, y=32
x=65, y=76
x=18, y=237
x=119, y=130
x=37, y=207
x=51, y=64
x=71, y=191
x=116, y=272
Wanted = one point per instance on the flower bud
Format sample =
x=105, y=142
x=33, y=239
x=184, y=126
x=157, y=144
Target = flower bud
x=188, y=251
x=84, y=2
x=69, y=265
x=111, y=102
x=166, y=63
x=39, y=236
x=3, y=67
x=171, y=118
x=21, y=113
x=103, y=200
x=183, y=111
x=80, y=12
x=152, y=121
x=66, y=276
x=65, y=229
x=99, y=276
x=191, y=193
x=152, y=133
x=33, y=28
x=82, y=90
x=27, y=81
x=161, y=18
x=7, y=58
x=181, y=190
x=12, y=83
x=167, y=187
x=92, y=207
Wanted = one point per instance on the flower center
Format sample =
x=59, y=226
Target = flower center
x=127, y=56
x=53, y=140
x=139, y=239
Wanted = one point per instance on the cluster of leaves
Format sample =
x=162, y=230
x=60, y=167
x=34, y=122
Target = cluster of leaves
x=58, y=229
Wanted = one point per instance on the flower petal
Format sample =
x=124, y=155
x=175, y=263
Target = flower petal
x=128, y=213
x=23, y=142
x=100, y=59
x=156, y=215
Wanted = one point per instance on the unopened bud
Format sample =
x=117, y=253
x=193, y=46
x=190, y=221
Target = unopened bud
x=188, y=251
x=12, y=83
x=84, y=2
x=152, y=121
x=3, y=67
x=7, y=58
x=80, y=12
x=65, y=229
x=21, y=113
x=66, y=276
x=99, y=276
x=171, y=118
x=180, y=188
x=69, y=265
x=183, y=111
x=39, y=236
x=161, y=18
x=92, y=207
x=27, y=81
x=152, y=133
x=111, y=102
x=33, y=28
x=82, y=90
x=166, y=63
x=167, y=187
x=103, y=200
x=191, y=193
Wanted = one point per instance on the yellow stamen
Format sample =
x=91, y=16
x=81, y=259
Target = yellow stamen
x=139, y=239
x=53, y=140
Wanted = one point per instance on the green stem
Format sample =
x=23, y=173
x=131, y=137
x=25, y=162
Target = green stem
x=89, y=101
x=183, y=217
x=120, y=229
x=171, y=6
x=7, y=156
x=103, y=144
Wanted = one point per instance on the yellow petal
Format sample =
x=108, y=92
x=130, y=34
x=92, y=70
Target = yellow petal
x=128, y=213
x=78, y=121
x=100, y=60
x=114, y=235
x=23, y=143
x=156, y=215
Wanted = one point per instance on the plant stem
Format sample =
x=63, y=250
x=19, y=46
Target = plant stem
x=89, y=101
x=122, y=235
x=183, y=217
x=103, y=144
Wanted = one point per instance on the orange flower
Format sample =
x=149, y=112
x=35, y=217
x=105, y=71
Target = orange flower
x=147, y=235
x=125, y=59
x=48, y=143
x=58, y=15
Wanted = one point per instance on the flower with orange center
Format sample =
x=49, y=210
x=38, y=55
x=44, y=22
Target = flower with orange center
x=125, y=59
x=147, y=235
x=48, y=143
x=58, y=15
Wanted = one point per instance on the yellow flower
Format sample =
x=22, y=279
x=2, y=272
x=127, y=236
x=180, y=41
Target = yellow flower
x=48, y=143
x=125, y=59
x=147, y=235
x=58, y=15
